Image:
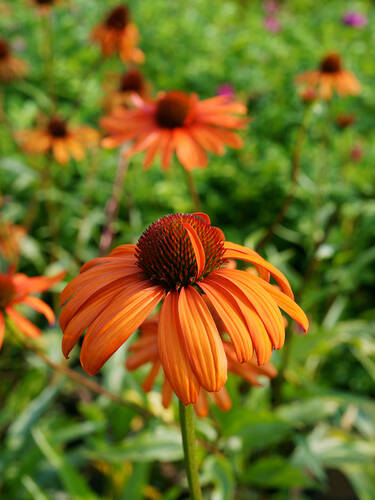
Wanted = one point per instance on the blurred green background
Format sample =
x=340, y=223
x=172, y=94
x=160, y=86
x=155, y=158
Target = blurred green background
x=59, y=441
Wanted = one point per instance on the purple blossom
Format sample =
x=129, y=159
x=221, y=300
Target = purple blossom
x=272, y=24
x=227, y=90
x=355, y=19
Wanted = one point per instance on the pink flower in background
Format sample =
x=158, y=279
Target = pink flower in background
x=227, y=90
x=355, y=19
x=272, y=24
x=271, y=7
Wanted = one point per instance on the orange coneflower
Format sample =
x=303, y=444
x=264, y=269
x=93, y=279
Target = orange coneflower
x=10, y=239
x=131, y=81
x=16, y=289
x=178, y=259
x=10, y=67
x=179, y=122
x=118, y=34
x=59, y=138
x=145, y=351
x=331, y=76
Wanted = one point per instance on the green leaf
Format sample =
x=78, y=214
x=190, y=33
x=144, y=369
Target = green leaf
x=35, y=492
x=362, y=478
x=134, y=486
x=70, y=478
x=20, y=428
x=276, y=472
x=160, y=444
x=217, y=470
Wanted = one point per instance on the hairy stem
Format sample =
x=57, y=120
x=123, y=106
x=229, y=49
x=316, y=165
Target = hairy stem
x=188, y=441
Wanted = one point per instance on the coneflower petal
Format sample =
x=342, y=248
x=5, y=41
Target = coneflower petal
x=23, y=323
x=222, y=399
x=167, y=394
x=200, y=256
x=172, y=352
x=42, y=283
x=202, y=341
x=201, y=406
x=189, y=152
x=142, y=356
x=234, y=251
x=284, y=302
x=259, y=336
x=232, y=317
x=75, y=323
x=100, y=343
x=263, y=304
x=41, y=307
x=149, y=381
x=96, y=278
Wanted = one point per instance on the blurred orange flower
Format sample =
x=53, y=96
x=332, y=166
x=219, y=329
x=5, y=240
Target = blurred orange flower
x=10, y=239
x=179, y=122
x=16, y=289
x=144, y=350
x=131, y=81
x=330, y=77
x=118, y=34
x=59, y=138
x=45, y=5
x=176, y=260
x=11, y=67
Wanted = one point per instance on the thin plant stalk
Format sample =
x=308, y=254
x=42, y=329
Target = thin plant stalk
x=113, y=204
x=193, y=190
x=76, y=377
x=296, y=165
x=48, y=56
x=189, y=445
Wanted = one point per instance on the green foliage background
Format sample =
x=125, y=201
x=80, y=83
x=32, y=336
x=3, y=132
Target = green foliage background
x=58, y=440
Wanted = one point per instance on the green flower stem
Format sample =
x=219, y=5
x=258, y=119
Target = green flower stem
x=193, y=190
x=296, y=164
x=188, y=441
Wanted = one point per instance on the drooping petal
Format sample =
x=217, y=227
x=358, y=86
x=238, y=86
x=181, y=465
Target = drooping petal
x=166, y=395
x=259, y=336
x=200, y=256
x=149, y=381
x=75, y=323
x=201, y=406
x=41, y=307
x=233, y=251
x=262, y=302
x=202, y=340
x=232, y=317
x=222, y=399
x=173, y=356
x=284, y=302
x=105, y=336
x=189, y=152
x=23, y=323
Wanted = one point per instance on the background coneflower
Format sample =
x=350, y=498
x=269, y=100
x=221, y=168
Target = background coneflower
x=16, y=289
x=60, y=138
x=118, y=34
x=176, y=122
x=119, y=95
x=176, y=261
x=330, y=77
x=11, y=67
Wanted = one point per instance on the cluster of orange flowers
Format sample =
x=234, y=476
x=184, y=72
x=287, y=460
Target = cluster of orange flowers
x=213, y=318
